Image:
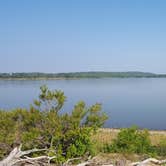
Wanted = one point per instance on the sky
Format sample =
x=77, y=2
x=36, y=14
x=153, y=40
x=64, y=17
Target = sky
x=82, y=35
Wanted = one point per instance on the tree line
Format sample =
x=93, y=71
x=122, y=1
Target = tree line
x=36, y=75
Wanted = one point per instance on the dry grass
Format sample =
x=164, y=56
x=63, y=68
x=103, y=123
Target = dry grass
x=111, y=158
x=107, y=135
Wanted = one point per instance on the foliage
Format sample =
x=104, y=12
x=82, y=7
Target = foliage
x=133, y=140
x=44, y=126
x=130, y=140
x=161, y=148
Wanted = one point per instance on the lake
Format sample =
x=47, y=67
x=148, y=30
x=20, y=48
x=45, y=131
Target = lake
x=127, y=101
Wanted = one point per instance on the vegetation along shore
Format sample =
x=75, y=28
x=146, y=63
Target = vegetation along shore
x=42, y=135
x=79, y=75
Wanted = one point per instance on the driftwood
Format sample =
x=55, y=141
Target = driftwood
x=141, y=163
x=149, y=160
x=70, y=160
x=18, y=158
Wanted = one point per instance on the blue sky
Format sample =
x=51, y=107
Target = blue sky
x=82, y=35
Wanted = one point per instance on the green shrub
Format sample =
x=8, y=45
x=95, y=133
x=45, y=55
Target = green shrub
x=130, y=140
x=161, y=148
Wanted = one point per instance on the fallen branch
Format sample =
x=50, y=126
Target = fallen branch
x=141, y=163
x=69, y=160
x=149, y=160
x=18, y=157
x=84, y=164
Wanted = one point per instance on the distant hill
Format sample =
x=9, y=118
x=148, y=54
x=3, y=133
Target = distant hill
x=37, y=75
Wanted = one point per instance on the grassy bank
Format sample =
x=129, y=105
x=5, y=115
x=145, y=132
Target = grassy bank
x=107, y=135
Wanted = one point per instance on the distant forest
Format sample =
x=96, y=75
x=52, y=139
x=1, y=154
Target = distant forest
x=37, y=75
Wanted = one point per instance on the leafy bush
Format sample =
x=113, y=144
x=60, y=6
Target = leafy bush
x=130, y=140
x=161, y=148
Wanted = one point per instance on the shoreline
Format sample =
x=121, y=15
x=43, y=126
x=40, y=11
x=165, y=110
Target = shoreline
x=106, y=136
x=72, y=78
x=117, y=130
x=33, y=79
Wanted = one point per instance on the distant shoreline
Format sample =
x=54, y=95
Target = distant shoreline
x=117, y=130
x=77, y=75
x=40, y=79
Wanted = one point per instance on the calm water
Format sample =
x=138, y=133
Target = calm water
x=139, y=101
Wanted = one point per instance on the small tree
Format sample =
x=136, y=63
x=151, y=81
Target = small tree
x=68, y=133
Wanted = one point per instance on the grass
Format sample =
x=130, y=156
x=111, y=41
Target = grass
x=106, y=136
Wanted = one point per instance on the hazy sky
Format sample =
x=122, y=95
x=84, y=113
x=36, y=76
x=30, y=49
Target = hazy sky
x=82, y=35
